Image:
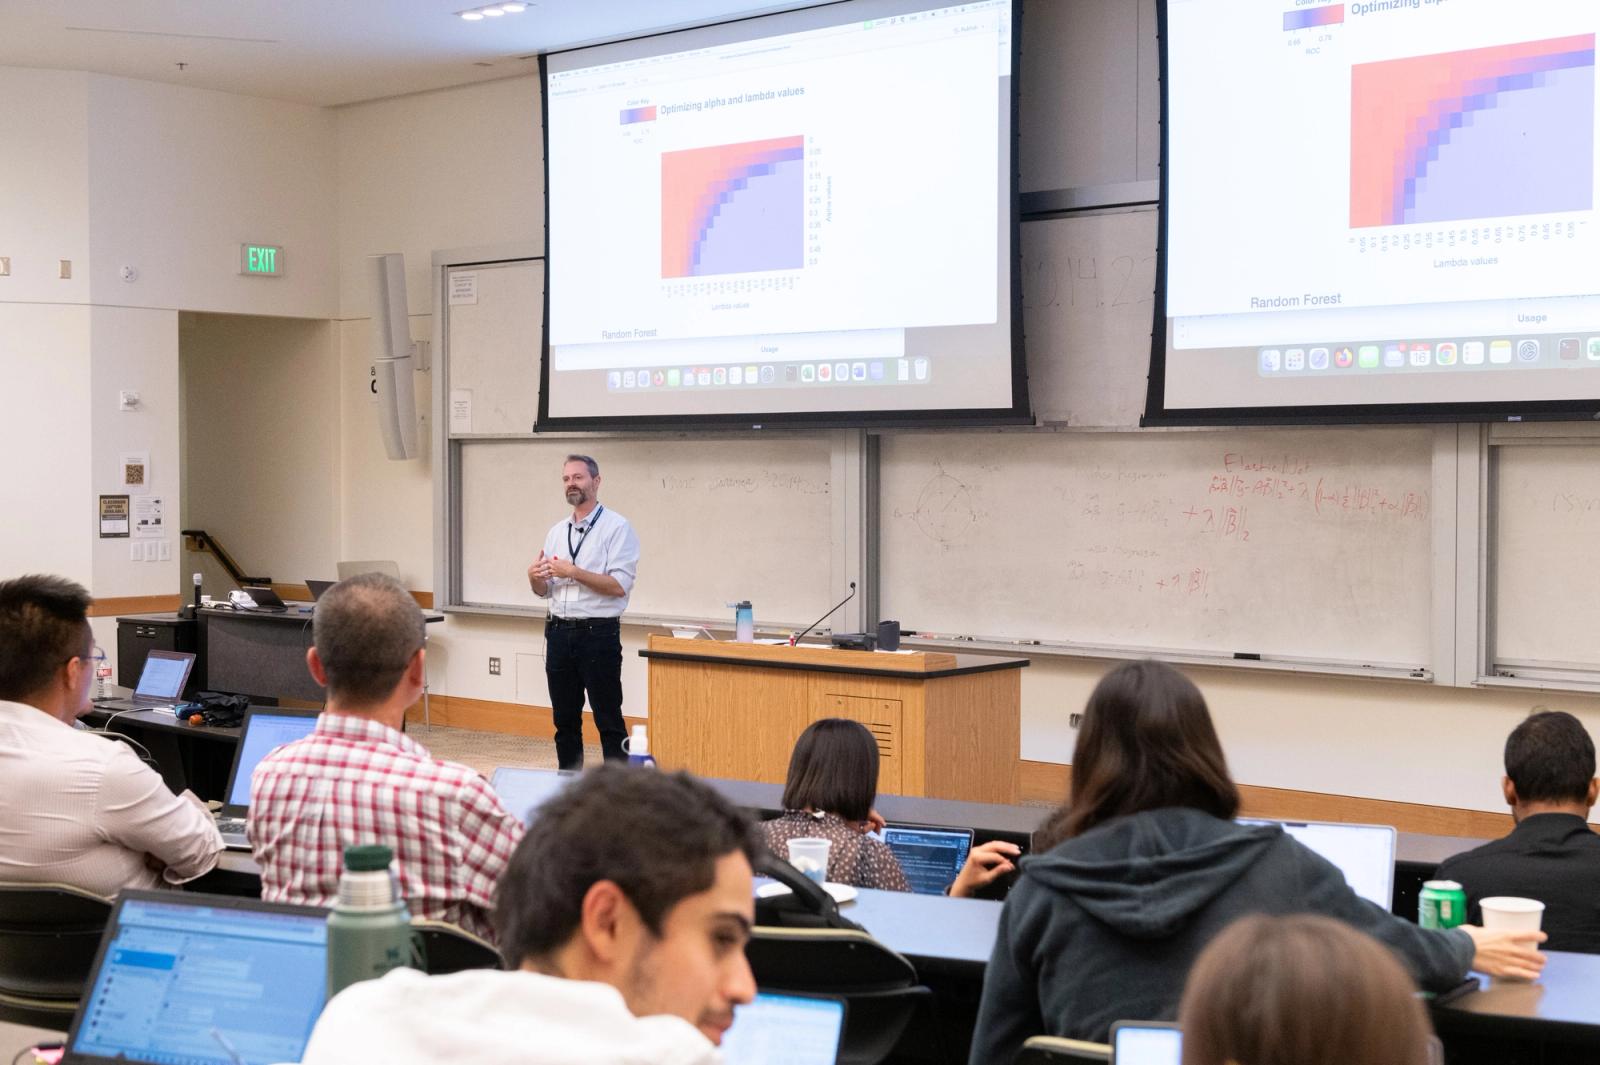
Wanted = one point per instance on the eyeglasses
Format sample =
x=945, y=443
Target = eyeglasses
x=97, y=656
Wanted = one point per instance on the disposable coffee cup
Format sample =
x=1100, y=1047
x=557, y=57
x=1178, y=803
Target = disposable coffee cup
x=809, y=855
x=1507, y=913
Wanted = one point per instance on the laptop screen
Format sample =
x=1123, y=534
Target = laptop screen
x=931, y=857
x=1133, y=1043
x=785, y=1030
x=521, y=791
x=163, y=675
x=182, y=981
x=1363, y=853
x=264, y=732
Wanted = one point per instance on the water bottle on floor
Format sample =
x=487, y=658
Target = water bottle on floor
x=369, y=930
x=637, y=745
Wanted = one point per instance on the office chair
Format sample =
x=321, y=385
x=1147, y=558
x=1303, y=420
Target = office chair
x=1053, y=1050
x=447, y=948
x=48, y=937
x=879, y=986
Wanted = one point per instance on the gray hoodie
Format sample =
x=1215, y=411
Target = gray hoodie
x=1105, y=926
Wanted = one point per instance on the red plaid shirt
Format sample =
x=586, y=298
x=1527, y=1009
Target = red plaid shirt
x=355, y=781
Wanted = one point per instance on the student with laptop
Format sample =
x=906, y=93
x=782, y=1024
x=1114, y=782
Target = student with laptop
x=623, y=916
x=358, y=779
x=832, y=782
x=1148, y=866
x=1300, y=990
x=78, y=808
x=1552, y=854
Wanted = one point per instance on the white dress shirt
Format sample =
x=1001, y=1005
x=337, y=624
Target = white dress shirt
x=488, y=1017
x=81, y=809
x=609, y=547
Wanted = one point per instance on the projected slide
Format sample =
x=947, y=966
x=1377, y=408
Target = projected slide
x=1432, y=137
x=1379, y=202
x=733, y=208
x=813, y=206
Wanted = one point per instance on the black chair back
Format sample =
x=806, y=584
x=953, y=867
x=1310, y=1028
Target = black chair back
x=48, y=937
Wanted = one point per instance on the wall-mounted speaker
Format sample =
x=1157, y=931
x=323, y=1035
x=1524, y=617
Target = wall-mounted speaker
x=391, y=355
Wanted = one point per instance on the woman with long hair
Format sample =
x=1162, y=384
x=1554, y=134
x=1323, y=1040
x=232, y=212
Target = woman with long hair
x=1146, y=865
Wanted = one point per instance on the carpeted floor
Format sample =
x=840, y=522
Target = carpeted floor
x=488, y=751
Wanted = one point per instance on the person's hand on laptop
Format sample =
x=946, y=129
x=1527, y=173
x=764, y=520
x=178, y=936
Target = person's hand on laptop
x=986, y=863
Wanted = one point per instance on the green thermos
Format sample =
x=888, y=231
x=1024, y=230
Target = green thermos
x=369, y=930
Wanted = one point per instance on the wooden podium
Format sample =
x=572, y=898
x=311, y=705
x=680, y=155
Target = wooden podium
x=948, y=726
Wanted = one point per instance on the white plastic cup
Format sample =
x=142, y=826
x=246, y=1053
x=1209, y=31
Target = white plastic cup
x=1507, y=913
x=810, y=855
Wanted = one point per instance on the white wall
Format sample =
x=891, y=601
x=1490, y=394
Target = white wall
x=44, y=184
x=263, y=403
x=179, y=178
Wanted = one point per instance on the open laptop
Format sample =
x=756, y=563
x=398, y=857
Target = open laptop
x=316, y=588
x=265, y=729
x=522, y=791
x=1363, y=853
x=931, y=856
x=265, y=599
x=160, y=684
x=1146, y=1043
x=202, y=980
x=788, y=1028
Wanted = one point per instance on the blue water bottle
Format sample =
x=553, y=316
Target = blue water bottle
x=744, y=622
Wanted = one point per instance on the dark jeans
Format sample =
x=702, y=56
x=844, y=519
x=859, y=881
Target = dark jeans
x=579, y=659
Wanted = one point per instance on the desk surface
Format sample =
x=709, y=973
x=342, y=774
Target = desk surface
x=1562, y=1005
x=164, y=721
x=931, y=930
x=861, y=664
x=297, y=612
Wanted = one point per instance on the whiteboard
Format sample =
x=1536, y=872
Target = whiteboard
x=1546, y=586
x=1297, y=543
x=1088, y=301
x=718, y=521
x=494, y=317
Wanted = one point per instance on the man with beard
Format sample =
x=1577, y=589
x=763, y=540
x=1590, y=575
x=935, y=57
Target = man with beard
x=586, y=570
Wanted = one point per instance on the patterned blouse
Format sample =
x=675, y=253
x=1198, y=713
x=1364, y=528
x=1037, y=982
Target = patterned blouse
x=855, y=858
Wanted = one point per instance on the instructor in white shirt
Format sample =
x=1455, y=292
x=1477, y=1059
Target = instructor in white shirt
x=586, y=570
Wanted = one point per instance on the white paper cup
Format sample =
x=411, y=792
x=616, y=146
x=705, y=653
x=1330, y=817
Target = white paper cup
x=1507, y=913
x=810, y=855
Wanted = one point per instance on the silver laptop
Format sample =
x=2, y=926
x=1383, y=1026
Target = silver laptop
x=788, y=1028
x=265, y=729
x=210, y=979
x=522, y=791
x=160, y=684
x=1363, y=853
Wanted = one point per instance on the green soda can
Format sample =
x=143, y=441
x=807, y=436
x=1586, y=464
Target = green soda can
x=1442, y=904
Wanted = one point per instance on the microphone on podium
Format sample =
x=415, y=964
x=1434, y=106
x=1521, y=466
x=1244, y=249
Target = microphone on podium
x=797, y=638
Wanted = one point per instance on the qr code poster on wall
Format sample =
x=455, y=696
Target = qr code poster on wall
x=136, y=472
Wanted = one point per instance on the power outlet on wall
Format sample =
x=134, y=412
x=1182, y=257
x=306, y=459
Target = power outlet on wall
x=1074, y=720
x=494, y=666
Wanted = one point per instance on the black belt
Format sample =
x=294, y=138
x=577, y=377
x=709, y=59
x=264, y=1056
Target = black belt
x=553, y=622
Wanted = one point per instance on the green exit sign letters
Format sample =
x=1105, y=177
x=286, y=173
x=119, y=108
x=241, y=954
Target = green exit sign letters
x=261, y=260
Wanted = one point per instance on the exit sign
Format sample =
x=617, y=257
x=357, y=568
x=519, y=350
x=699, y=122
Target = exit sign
x=265, y=260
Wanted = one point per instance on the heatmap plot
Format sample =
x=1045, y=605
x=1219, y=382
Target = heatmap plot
x=733, y=208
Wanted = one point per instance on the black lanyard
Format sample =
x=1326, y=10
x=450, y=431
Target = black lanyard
x=573, y=551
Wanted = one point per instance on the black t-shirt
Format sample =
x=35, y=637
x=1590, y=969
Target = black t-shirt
x=1554, y=858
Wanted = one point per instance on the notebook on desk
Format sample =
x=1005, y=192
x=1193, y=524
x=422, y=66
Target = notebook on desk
x=265, y=729
x=202, y=979
x=793, y=1029
x=160, y=684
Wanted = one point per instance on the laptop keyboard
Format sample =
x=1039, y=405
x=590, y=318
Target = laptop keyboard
x=230, y=826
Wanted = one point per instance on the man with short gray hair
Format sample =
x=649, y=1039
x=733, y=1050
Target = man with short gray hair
x=358, y=779
x=586, y=570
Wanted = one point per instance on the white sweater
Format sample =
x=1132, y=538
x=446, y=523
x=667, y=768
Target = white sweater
x=497, y=1018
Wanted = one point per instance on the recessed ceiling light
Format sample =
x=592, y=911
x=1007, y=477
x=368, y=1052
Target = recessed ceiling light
x=493, y=12
x=472, y=16
x=513, y=8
